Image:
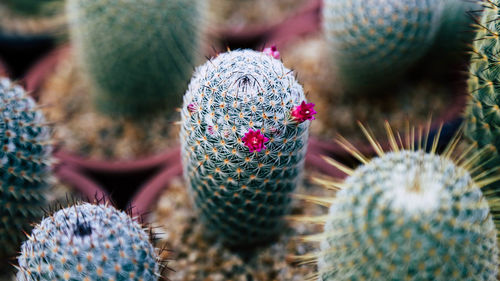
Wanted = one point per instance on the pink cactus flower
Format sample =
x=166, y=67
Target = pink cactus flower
x=272, y=51
x=192, y=107
x=254, y=140
x=304, y=112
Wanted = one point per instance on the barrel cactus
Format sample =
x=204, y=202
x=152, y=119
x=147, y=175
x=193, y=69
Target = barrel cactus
x=88, y=242
x=409, y=214
x=372, y=41
x=138, y=54
x=456, y=26
x=243, y=136
x=25, y=157
x=482, y=116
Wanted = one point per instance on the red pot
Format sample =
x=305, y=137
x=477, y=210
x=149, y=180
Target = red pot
x=119, y=178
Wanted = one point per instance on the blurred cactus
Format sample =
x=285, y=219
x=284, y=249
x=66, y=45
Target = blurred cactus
x=374, y=41
x=482, y=116
x=139, y=54
x=408, y=214
x=25, y=157
x=88, y=242
x=456, y=28
x=31, y=7
x=244, y=135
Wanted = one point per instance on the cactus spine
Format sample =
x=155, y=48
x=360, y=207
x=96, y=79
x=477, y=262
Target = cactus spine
x=410, y=215
x=243, y=136
x=482, y=116
x=373, y=40
x=25, y=155
x=138, y=53
x=88, y=242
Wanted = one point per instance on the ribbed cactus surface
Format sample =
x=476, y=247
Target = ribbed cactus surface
x=88, y=242
x=244, y=135
x=139, y=54
x=25, y=155
x=409, y=215
x=374, y=41
x=482, y=124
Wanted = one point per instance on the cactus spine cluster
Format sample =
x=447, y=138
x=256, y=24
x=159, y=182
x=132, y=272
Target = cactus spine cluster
x=88, y=242
x=373, y=40
x=138, y=54
x=25, y=155
x=482, y=116
x=243, y=136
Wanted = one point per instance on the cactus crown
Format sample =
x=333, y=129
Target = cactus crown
x=25, y=155
x=138, y=54
x=409, y=215
x=243, y=136
x=372, y=40
x=482, y=116
x=88, y=242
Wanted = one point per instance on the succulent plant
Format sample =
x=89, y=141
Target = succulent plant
x=25, y=156
x=372, y=41
x=88, y=242
x=409, y=215
x=138, y=54
x=482, y=117
x=243, y=140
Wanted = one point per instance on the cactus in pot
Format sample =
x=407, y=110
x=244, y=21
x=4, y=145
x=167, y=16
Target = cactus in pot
x=409, y=214
x=138, y=54
x=374, y=41
x=88, y=242
x=244, y=132
x=25, y=156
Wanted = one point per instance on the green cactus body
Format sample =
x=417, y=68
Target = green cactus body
x=30, y=7
x=242, y=190
x=88, y=242
x=409, y=215
x=138, y=54
x=482, y=116
x=25, y=155
x=372, y=41
x=454, y=32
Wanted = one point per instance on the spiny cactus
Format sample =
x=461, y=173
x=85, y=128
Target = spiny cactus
x=138, y=54
x=25, y=156
x=482, y=124
x=409, y=215
x=372, y=41
x=88, y=242
x=244, y=135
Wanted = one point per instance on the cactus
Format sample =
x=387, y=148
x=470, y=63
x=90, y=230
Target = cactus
x=25, y=156
x=482, y=117
x=88, y=242
x=243, y=140
x=138, y=54
x=30, y=7
x=372, y=41
x=409, y=214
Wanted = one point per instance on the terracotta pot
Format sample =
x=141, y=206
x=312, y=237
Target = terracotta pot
x=119, y=178
x=305, y=20
x=150, y=192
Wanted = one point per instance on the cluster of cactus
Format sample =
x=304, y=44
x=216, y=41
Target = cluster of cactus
x=138, y=54
x=243, y=136
x=25, y=156
x=482, y=116
x=88, y=242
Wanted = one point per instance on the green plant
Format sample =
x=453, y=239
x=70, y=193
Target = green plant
x=409, y=214
x=244, y=134
x=88, y=242
x=138, y=54
x=482, y=117
x=25, y=156
x=373, y=41
x=30, y=7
